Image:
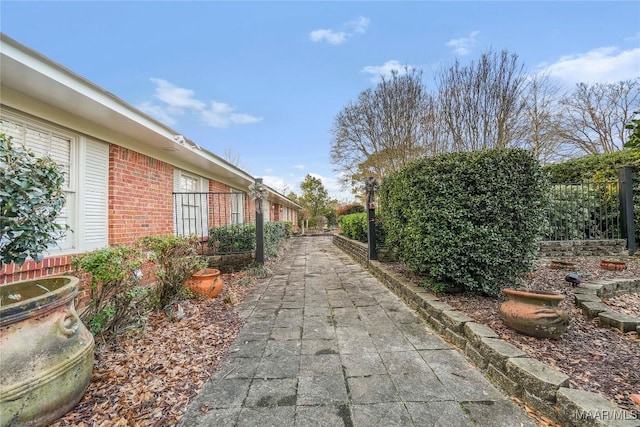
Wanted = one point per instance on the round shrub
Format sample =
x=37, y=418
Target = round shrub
x=467, y=219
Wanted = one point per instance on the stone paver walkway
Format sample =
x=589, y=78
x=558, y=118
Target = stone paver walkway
x=326, y=344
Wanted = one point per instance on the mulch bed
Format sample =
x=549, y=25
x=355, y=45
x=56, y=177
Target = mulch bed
x=149, y=377
x=596, y=359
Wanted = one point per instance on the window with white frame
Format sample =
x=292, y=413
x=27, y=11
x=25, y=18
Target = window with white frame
x=190, y=204
x=237, y=207
x=85, y=166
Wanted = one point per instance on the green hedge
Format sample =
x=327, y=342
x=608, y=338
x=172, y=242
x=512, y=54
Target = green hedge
x=238, y=238
x=354, y=226
x=274, y=234
x=468, y=220
x=233, y=238
x=598, y=168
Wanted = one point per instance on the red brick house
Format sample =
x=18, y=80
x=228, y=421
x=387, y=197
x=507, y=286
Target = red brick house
x=122, y=166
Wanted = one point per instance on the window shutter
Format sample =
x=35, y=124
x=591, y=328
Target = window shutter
x=95, y=208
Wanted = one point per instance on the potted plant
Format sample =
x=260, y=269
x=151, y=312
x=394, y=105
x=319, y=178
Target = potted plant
x=47, y=352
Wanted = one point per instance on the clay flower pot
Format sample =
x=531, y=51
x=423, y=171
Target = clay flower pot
x=206, y=282
x=612, y=264
x=46, y=352
x=562, y=265
x=534, y=314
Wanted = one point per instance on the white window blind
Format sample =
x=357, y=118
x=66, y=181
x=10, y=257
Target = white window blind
x=85, y=164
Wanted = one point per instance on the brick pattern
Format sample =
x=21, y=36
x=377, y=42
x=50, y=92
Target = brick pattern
x=140, y=196
x=31, y=270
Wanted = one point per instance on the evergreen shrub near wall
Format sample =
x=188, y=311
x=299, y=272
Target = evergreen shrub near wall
x=469, y=220
x=274, y=234
x=233, y=238
x=238, y=238
x=354, y=226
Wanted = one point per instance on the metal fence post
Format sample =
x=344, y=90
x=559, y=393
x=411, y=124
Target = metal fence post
x=371, y=186
x=625, y=176
x=259, y=225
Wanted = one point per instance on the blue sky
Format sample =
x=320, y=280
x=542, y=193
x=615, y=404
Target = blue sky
x=266, y=79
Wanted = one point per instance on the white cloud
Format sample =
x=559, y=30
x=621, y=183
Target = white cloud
x=298, y=167
x=337, y=37
x=359, y=25
x=330, y=36
x=160, y=112
x=462, y=46
x=175, y=96
x=221, y=115
x=385, y=70
x=605, y=64
x=171, y=101
x=268, y=170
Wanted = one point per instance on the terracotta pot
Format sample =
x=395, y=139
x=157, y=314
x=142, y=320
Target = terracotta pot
x=562, y=265
x=46, y=351
x=612, y=264
x=206, y=282
x=534, y=314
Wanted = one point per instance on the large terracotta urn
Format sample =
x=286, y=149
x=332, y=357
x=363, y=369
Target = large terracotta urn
x=535, y=314
x=46, y=352
x=206, y=282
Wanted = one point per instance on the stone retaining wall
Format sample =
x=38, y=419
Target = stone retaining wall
x=540, y=386
x=232, y=262
x=574, y=248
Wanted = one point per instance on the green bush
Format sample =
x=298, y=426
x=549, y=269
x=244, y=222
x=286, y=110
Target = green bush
x=469, y=220
x=31, y=198
x=233, y=238
x=595, y=167
x=354, y=226
x=175, y=260
x=242, y=237
x=117, y=300
x=289, y=226
x=583, y=212
x=600, y=167
x=275, y=233
x=350, y=209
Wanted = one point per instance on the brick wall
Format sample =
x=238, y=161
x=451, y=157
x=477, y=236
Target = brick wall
x=140, y=196
x=32, y=270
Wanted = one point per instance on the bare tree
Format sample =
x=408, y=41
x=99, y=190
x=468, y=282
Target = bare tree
x=595, y=115
x=384, y=129
x=232, y=156
x=542, y=121
x=482, y=103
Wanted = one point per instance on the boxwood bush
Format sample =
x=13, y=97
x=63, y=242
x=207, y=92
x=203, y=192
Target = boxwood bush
x=233, y=238
x=237, y=238
x=354, y=226
x=467, y=219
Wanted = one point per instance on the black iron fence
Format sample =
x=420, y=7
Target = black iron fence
x=196, y=214
x=584, y=211
x=595, y=210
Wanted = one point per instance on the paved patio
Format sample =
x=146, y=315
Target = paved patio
x=326, y=344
